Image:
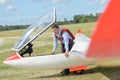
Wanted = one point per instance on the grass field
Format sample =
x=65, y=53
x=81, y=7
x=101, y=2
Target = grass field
x=44, y=45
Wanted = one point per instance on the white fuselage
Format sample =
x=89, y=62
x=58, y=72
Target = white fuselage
x=57, y=61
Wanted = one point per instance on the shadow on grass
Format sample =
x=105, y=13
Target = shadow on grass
x=113, y=73
x=47, y=76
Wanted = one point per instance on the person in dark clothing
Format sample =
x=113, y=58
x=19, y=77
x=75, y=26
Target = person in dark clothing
x=27, y=49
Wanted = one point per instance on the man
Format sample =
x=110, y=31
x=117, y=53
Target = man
x=66, y=38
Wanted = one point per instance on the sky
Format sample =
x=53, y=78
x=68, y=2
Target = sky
x=20, y=12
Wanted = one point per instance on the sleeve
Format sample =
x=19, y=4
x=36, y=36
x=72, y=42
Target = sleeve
x=55, y=42
x=66, y=40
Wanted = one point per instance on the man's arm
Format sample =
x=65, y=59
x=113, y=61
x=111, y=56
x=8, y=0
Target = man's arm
x=55, y=43
x=66, y=42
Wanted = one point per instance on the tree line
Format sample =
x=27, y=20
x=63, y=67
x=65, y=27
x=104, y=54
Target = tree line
x=81, y=18
x=12, y=27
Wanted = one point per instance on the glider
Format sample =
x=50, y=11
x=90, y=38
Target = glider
x=102, y=49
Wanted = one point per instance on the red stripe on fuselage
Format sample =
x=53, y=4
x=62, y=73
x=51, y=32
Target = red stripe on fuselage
x=14, y=56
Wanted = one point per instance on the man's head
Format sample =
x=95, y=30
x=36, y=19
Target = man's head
x=55, y=28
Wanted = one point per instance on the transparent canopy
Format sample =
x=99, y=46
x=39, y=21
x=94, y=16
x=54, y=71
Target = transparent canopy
x=36, y=29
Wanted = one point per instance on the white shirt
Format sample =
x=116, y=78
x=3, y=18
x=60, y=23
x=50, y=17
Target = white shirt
x=65, y=40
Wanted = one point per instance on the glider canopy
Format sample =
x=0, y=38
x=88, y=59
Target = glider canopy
x=36, y=29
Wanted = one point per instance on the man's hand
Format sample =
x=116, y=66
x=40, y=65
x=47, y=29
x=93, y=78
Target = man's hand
x=66, y=54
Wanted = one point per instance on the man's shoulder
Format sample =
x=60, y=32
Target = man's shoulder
x=65, y=33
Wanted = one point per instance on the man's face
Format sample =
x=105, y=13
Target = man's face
x=55, y=30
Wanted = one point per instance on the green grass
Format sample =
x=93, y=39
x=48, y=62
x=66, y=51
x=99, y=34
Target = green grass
x=11, y=33
x=43, y=45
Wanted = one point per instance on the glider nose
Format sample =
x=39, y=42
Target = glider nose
x=14, y=56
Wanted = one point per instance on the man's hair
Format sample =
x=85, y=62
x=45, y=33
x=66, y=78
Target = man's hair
x=55, y=26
